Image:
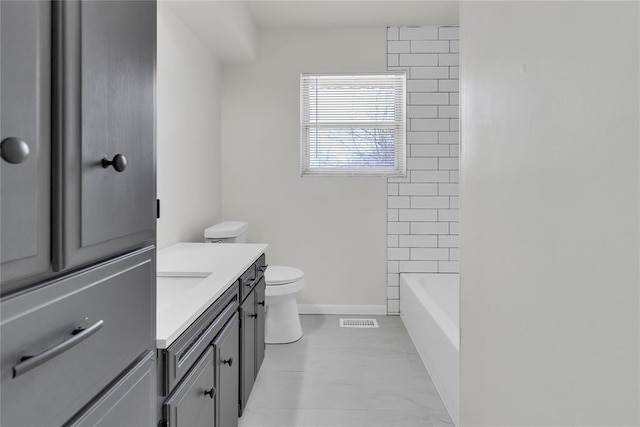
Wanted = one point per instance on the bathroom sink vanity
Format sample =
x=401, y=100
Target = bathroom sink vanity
x=210, y=331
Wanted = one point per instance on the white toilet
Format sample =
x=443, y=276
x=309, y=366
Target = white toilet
x=282, y=321
x=283, y=284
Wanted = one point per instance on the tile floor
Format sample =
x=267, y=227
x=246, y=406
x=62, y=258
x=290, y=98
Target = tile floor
x=345, y=377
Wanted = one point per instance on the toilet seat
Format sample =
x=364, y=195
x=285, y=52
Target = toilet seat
x=279, y=275
x=284, y=289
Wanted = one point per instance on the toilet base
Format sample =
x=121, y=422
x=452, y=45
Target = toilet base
x=282, y=321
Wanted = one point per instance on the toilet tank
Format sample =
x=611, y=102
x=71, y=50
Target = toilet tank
x=227, y=232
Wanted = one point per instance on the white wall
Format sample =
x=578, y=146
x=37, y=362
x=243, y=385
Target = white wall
x=331, y=227
x=188, y=138
x=423, y=218
x=549, y=213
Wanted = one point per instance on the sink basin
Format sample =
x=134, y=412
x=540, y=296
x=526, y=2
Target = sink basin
x=171, y=288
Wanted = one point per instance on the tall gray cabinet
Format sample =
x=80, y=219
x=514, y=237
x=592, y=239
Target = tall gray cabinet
x=77, y=212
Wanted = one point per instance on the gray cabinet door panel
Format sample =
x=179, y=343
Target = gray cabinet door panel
x=25, y=113
x=247, y=349
x=130, y=402
x=118, y=295
x=260, y=322
x=105, y=91
x=227, y=362
x=189, y=405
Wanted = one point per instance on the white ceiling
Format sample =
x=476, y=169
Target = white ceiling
x=226, y=27
x=230, y=27
x=358, y=13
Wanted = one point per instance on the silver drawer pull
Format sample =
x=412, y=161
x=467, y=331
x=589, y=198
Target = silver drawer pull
x=29, y=362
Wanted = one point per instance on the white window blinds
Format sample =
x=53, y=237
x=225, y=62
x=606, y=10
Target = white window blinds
x=353, y=124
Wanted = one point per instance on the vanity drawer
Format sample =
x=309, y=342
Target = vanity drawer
x=63, y=343
x=251, y=276
x=177, y=359
x=247, y=280
x=261, y=266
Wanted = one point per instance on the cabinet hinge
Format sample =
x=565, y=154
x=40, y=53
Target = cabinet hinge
x=157, y=208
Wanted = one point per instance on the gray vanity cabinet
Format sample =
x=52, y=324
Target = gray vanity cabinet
x=252, y=328
x=227, y=347
x=25, y=124
x=261, y=312
x=104, y=129
x=234, y=334
x=214, y=333
x=247, y=349
x=192, y=403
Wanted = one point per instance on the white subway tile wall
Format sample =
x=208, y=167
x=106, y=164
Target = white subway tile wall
x=423, y=229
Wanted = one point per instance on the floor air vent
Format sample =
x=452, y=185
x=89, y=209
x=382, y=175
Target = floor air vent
x=358, y=323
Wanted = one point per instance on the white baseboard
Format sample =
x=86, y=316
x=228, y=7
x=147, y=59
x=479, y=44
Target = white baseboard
x=378, y=310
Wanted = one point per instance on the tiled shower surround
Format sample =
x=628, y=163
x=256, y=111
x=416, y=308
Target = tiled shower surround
x=423, y=229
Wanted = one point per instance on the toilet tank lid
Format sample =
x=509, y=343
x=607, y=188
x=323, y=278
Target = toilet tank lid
x=226, y=229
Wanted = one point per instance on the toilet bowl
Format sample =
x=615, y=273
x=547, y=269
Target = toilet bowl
x=282, y=319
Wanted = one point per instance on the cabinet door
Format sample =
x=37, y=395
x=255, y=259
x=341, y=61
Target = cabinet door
x=130, y=402
x=260, y=322
x=227, y=347
x=191, y=404
x=104, y=95
x=25, y=114
x=247, y=349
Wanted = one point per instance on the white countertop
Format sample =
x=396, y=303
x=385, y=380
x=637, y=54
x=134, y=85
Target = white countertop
x=204, y=271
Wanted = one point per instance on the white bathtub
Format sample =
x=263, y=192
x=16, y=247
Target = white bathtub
x=430, y=310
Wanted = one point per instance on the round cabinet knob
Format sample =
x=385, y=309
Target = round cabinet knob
x=261, y=303
x=255, y=315
x=210, y=393
x=14, y=150
x=119, y=162
x=229, y=361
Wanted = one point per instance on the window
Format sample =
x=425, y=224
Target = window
x=353, y=124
